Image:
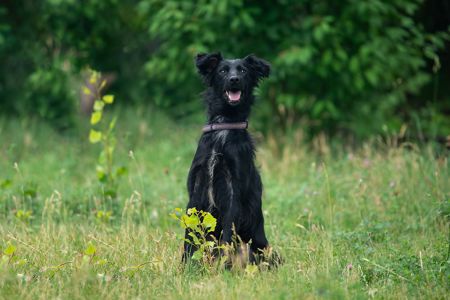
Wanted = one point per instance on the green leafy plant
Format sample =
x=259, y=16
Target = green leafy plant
x=107, y=173
x=8, y=254
x=29, y=190
x=24, y=215
x=9, y=257
x=90, y=253
x=5, y=183
x=104, y=216
x=200, y=225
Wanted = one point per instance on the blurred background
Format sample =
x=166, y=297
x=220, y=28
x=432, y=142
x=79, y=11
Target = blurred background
x=348, y=69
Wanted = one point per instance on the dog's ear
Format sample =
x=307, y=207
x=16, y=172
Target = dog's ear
x=259, y=66
x=206, y=63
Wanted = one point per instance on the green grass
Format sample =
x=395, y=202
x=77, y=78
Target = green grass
x=352, y=224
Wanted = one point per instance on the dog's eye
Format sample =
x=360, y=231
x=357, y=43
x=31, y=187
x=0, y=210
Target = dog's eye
x=243, y=70
x=223, y=71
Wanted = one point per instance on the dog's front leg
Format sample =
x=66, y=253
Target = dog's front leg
x=228, y=223
x=230, y=207
x=196, y=188
x=259, y=241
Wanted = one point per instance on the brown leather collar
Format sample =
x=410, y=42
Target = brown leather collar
x=225, y=126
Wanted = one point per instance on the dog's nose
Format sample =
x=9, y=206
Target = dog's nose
x=234, y=79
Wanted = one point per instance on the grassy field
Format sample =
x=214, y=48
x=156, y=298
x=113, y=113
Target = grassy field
x=350, y=224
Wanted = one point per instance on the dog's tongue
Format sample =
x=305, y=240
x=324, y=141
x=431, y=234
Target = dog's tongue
x=234, y=96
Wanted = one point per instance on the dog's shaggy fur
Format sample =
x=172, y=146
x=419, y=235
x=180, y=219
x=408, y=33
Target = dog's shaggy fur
x=223, y=178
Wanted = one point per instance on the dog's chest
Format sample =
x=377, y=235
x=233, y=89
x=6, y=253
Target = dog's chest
x=228, y=149
x=225, y=160
x=220, y=137
x=231, y=144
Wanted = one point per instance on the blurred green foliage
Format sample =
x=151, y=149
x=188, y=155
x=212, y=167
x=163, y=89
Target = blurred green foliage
x=349, y=67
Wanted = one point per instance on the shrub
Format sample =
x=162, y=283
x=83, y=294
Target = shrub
x=343, y=66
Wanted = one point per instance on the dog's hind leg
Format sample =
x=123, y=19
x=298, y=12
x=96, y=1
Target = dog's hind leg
x=197, y=199
x=260, y=251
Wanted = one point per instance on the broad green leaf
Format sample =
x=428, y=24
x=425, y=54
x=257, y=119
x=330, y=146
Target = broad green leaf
x=182, y=223
x=108, y=99
x=318, y=108
x=192, y=210
x=121, y=171
x=86, y=91
x=10, y=250
x=5, y=184
x=23, y=215
x=371, y=77
x=95, y=136
x=194, y=238
x=98, y=105
x=174, y=216
x=197, y=255
x=93, y=79
x=96, y=117
x=209, y=222
x=198, y=229
x=90, y=250
x=190, y=221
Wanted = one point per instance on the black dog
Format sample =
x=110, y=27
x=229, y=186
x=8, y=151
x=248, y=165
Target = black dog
x=223, y=178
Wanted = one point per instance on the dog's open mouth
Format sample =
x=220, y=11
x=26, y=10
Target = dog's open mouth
x=234, y=96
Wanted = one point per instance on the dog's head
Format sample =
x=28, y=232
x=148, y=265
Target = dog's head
x=232, y=79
